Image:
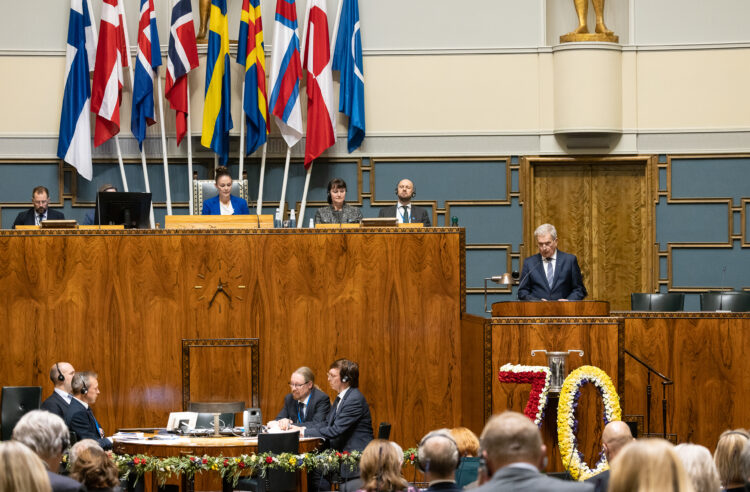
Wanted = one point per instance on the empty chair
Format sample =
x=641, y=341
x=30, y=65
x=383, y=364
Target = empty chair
x=736, y=302
x=275, y=480
x=657, y=302
x=16, y=402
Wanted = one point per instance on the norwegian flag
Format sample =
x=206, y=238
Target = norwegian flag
x=181, y=59
x=147, y=61
x=106, y=89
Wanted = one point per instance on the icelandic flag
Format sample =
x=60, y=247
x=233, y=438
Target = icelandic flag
x=217, y=116
x=321, y=121
x=106, y=89
x=74, y=141
x=148, y=59
x=347, y=59
x=182, y=58
x=286, y=72
x=250, y=54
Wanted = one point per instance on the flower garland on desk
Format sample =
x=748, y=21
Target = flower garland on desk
x=567, y=424
x=538, y=377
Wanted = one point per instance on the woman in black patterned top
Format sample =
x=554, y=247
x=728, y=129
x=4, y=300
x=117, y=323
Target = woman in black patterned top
x=337, y=212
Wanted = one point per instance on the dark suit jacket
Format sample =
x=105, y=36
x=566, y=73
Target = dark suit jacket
x=444, y=487
x=600, y=481
x=349, y=428
x=55, y=404
x=511, y=479
x=81, y=421
x=28, y=217
x=212, y=207
x=566, y=284
x=64, y=484
x=418, y=214
x=318, y=407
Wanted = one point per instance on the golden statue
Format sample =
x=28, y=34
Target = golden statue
x=582, y=31
x=205, y=11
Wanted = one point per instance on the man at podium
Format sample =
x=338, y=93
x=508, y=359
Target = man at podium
x=550, y=275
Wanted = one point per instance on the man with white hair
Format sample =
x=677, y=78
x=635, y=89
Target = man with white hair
x=46, y=434
x=61, y=375
x=79, y=417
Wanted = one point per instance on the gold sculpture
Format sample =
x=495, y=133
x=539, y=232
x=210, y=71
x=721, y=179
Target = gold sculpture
x=582, y=31
x=205, y=12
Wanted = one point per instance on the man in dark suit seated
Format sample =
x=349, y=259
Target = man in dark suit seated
x=512, y=448
x=550, y=275
x=614, y=437
x=404, y=211
x=46, y=435
x=61, y=374
x=79, y=417
x=39, y=211
x=305, y=404
x=438, y=459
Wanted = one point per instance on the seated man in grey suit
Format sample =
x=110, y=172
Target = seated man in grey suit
x=512, y=448
x=614, y=437
x=404, y=211
x=305, y=404
x=438, y=458
x=39, y=211
x=61, y=374
x=79, y=417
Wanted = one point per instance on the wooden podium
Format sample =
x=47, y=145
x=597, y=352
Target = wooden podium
x=517, y=328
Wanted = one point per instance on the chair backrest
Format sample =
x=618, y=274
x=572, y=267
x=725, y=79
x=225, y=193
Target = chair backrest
x=384, y=430
x=736, y=302
x=278, y=480
x=206, y=420
x=203, y=189
x=17, y=401
x=657, y=302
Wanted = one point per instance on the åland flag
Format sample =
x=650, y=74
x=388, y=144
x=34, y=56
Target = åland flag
x=250, y=54
x=347, y=59
x=148, y=60
x=321, y=122
x=106, y=90
x=285, y=73
x=74, y=142
x=217, y=116
x=182, y=57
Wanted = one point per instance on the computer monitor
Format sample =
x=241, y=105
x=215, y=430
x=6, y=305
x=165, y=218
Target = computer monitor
x=131, y=209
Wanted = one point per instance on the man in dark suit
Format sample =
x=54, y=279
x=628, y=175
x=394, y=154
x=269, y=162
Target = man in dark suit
x=79, y=417
x=305, y=404
x=438, y=458
x=404, y=211
x=512, y=448
x=61, y=375
x=614, y=437
x=39, y=211
x=550, y=275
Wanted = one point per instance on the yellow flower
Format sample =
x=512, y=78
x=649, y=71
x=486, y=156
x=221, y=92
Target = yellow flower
x=292, y=461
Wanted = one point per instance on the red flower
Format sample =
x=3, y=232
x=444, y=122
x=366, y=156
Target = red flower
x=226, y=462
x=338, y=455
x=411, y=457
x=204, y=461
x=346, y=453
x=241, y=465
x=269, y=460
x=136, y=460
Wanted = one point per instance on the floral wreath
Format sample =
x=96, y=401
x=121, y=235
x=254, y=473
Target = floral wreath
x=538, y=377
x=567, y=425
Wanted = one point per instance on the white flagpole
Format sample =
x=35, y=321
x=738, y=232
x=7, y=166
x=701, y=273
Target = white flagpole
x=242, y=131
x=189, y=148
x=122, y=166
x=301, y=218
x=336, y=28
x=282, y=200
x=216, y=161
x=164, y=144
x=262, y=176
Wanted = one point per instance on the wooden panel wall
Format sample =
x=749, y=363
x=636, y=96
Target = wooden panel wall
x=120, y=303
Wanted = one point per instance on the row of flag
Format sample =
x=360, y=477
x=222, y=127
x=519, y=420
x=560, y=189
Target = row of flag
x=108, y=57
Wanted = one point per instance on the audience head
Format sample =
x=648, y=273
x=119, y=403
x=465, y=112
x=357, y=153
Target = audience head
x=78, y=447
x=336, y=192
x=61, y=375
x=44, y=433
x=438, y=455
x=380, y=467
x=546, y=240
x=727, y=457
x=405, y=190
x=343, y=374
x=92, y=466
x=40, y=199
x=615, y=435
x=699, y=466
x=301, y=383
x=223, y=183
x=648, y=465
x=467, y=441
x=21, y=469
x=85, y=386
x=511, y=437
x=745, y=458
x=107, y=187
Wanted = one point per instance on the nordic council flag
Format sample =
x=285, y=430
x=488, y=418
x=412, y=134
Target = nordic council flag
x=347, y=59
x=286, y=72
x=217, y=118
x=148, y=60
x=74, y=142
x=250, y=55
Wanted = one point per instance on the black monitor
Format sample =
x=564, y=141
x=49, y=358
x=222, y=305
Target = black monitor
x=133, y=210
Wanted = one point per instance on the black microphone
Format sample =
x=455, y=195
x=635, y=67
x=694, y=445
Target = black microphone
x=257, y=216
x=532, y=270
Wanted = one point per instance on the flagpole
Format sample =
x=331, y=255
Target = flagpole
x=336, y=28
x=261, y=179
x=122, y=166
x=282, y=200
x=242, y=131
x=301, y=218
x=164, y=143
x=189, y=148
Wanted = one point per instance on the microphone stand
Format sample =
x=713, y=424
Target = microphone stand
x=664, y=383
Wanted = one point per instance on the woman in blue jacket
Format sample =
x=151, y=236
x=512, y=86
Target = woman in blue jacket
x=225, y=203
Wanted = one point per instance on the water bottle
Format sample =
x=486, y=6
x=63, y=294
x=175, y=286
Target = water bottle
x=312, y=223
x=292, y=220
x=277, y=219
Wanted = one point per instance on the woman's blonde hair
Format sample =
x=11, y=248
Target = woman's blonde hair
x=648, y=465
x=21, y=469
x=700, y=467
x=466, y=440
x=95, y=469
x=727, y=456
x=380, y=467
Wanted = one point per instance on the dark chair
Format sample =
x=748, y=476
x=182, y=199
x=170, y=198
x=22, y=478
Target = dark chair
x=275, y=480
x=17, y=401
x=206, y=420
x=657, y=302
x=384, y=430
x=736, y=302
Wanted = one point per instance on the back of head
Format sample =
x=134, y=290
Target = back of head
x=511, y=437
x=94, y=468
x=438, y=454
x=380, y=467
x=648, y=465
x=77, y=448
x=745, y=458
x=700, y=467
x=467, y=441
x=43, y=432
x=727, y=457
x=21, y=469
x=615, y=436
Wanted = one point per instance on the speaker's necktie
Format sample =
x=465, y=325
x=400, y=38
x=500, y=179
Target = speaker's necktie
x=550, y=273
x=405, y=214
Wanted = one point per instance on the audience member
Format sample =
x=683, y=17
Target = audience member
x=514, y=454
x=380, y=466
x=79, y=417
x=39, y=211
x=337, y=211
x=305, y=404
x=700, y=467
x=745, y=458
x=614, y=437
x=648, y=465
x=438, y=457
x=404, y=211
x=468, y=449
x=90, y=217
x=21, y=470
x=61, y=375
x=727, y=457
x=225, y=203
x=46, y=434
x=91, y=466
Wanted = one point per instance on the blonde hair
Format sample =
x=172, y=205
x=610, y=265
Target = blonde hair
x=380, y=467
x=700, y=467
x=648, y=465
x=94, y=468
x=466, y=440
x=21, y=469
x=727, y=456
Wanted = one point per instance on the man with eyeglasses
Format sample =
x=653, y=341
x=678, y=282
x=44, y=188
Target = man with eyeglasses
x=39, y=211
x=306, y=404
